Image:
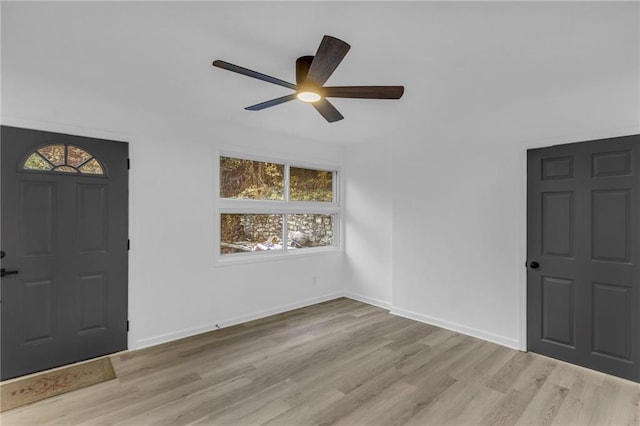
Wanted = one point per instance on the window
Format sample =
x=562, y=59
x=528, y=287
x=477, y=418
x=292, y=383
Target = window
x=63, y=158
x=275, y=207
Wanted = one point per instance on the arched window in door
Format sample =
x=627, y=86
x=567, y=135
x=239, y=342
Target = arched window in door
x=63, y=158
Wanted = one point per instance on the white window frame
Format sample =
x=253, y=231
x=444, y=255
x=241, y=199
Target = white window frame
x=285, y=207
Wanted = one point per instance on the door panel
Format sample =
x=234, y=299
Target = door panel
x=92, y=303
x=557, y=168
x=610, y=227
x=612, y=164
x=612, y=321
x=92, y=219
x=583, y=208
x=64, y=228
x=37, y=216
x=558, y=319
x=557, y=224
x=36, y=311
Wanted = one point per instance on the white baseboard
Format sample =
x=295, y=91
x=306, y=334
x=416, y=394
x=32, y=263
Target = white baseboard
x=168, y=337
x=490, y=337
x=368, y=300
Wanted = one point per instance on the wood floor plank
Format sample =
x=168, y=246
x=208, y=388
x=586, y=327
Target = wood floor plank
x=491, y=358
x=423, y=358
x=504, y=378
x=310, y=403
x=256, y=408
x=438, y=360
x=367, y=367
x=153, y=398
x=189, y=407
x=616, y=395
x=356, y=400
x=544, y=406
x=339, y=362
x=425, y=394
x=579, y=406
x=463, y=357
x=460, y=404
x=385, y=408
x=534, y=376
x=508, y=410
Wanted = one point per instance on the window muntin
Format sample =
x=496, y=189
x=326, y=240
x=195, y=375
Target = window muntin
x=256, y=180
x=301, y=213
x=63, y=158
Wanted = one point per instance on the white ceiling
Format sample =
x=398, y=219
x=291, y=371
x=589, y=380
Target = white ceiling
x=455, y=59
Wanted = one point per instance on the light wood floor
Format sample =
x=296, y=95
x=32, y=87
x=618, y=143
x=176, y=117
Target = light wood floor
x=340, y=362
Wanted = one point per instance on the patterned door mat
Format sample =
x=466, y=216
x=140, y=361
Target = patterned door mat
x=35, y=387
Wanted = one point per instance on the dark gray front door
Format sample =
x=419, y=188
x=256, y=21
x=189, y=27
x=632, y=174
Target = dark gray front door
x=583, y=276
x=64, y=244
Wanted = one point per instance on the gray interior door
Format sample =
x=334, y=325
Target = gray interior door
x=65, y=249
x=583, y=300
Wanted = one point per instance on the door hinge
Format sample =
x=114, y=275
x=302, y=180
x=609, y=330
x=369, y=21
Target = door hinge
x=127, y=325
x=128, y=163
x=128, y=244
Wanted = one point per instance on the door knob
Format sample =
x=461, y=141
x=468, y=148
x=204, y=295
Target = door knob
x=4, y=272
x=534, y=265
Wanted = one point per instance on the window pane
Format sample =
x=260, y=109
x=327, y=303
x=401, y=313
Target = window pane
x=36, y=162
x=53, y=153
x=250, y=232
x=65, y=169
x=92, y=167
x=256, y=180
x=310, y=230
x=76, y=156
x=310, y=185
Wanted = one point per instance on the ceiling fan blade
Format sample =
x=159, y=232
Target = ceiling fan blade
x=272, y=102
x=328, y=111
x=330, y=53
x=244, y=71
x=367, y=92
x=302, y=68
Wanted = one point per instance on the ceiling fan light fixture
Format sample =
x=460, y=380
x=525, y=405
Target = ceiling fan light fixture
x=307, y=96
x=312, y=73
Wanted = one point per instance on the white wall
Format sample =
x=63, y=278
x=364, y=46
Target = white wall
x=174, y=289
x=459, y=207
x=436, y=208
x=142, y=73
x=368, y=188
x=525, y=75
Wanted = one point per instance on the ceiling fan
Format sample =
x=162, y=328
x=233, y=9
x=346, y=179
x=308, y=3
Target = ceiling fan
x=311, y=74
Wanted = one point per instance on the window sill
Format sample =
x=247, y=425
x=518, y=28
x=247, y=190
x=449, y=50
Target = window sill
x=273, y=255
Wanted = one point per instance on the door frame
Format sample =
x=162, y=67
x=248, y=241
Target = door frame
x=96, y=133
x=522, y=209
